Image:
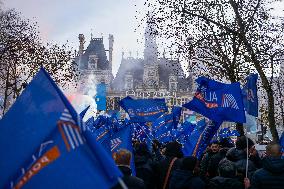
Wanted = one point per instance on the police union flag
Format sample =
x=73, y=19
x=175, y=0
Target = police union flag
x=43, y=146
x=218, y=101
x=143, y=110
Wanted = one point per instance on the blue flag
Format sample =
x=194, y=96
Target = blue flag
x=250, y=95
x=144, y=110
x=176, y=111
x=218, y=101
x=165, y=137
x=192, y=140
x=122, y=140
x=100, y=121
x=101, y=97
x=163, y=124
x=281, y=141
x=103, y=136
x=182, y=133
x=205, y=138
x=43, y=144
x=82, y=114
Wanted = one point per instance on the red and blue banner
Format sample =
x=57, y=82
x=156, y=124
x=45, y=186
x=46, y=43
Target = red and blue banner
x=218, y=101
x=143, y=110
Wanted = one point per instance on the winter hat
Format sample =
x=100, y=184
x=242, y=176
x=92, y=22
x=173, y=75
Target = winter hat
x=173, y=149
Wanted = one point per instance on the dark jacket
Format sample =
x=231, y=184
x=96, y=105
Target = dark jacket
x=270, y=176
x=214, y=162
x=239, y=157
x=225, y=183
x=161, y=169
x=183, y=179
x=130, y=181
x=204, y=164
x=144, y=170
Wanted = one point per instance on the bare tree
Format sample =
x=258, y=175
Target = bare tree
x=235, y=38
x=22, y=54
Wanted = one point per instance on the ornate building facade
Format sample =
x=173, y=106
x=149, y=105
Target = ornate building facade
x=93, y=65
x=148, y=77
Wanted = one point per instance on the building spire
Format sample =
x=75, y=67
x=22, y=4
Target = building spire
x=151, y=49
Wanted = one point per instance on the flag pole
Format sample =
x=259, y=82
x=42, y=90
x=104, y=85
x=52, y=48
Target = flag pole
x=247, y=152
x=122, y=184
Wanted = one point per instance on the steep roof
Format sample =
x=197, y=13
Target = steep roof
x=132, y=66
x=96, y=47
x=166, y=67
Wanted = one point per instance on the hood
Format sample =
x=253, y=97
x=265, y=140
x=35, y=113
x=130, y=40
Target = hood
x=235, y=155
x=180, y=177
x=273, y=165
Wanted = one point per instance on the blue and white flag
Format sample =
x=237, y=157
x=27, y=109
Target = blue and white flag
x=176, y=111
x=193, y=138
x=218, y=101
x=163, y=124
x=205, y=138
x=165, y=137
x=143, y=110
x=82, y=114
x=182, y=133
x=250, y=95
x=43, y=144
x=122, y=140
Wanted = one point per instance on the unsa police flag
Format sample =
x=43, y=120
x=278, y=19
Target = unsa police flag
x=43, y=146
x=218, y=101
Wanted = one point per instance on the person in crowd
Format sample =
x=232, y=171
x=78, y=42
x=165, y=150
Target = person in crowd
x=156, y=153
x=171, y=162
x=227, y=177
x=184, y=178
x=225, y=145
x=238, y=155
x=272, y=174
x=213, y=149
x=143, y=165
x=122, y=159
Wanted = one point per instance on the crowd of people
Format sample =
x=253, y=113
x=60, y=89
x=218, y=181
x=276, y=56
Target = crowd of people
x=223, y=166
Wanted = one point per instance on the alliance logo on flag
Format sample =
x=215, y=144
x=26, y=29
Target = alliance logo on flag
x=69, y=131
x=228, y=101
x=115, y=143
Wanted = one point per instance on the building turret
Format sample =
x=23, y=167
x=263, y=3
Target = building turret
x=110, y=51
x=81, y=46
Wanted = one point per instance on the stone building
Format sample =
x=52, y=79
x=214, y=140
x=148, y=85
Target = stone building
x=93, y=65
x=152, y=76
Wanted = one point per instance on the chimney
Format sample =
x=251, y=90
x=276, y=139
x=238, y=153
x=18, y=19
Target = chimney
x=111, y=40
x=81, y=46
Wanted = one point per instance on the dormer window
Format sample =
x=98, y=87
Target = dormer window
x=93, y=62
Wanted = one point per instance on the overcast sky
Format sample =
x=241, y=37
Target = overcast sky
x=62, y=20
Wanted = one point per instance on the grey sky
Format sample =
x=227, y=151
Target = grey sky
x=62, y=20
